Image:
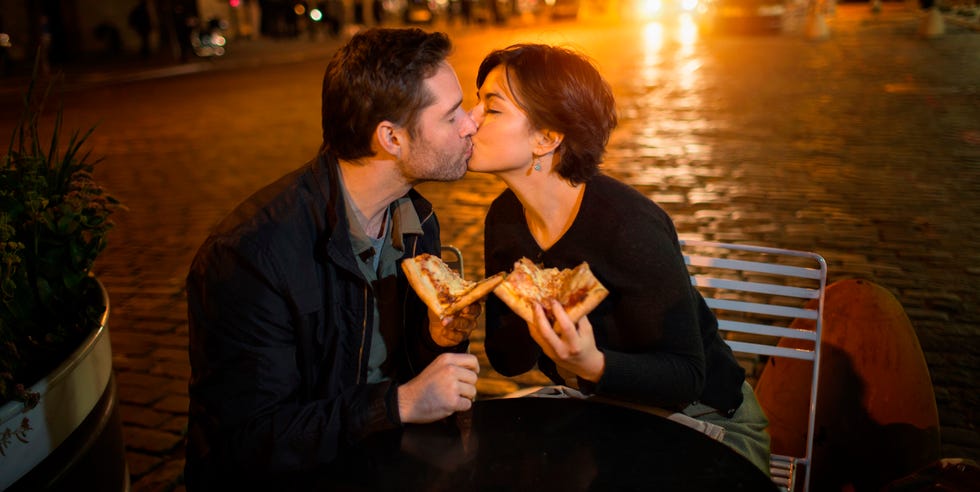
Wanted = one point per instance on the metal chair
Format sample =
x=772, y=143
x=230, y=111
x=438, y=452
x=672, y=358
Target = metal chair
x=453, y=257
x=756, y=292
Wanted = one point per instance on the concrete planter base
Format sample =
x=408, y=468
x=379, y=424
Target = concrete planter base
x=75, y=432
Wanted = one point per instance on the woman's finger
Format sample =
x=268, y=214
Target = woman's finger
x=541, y=330
x=563, y=324
x=550, y=341
x=585, y=329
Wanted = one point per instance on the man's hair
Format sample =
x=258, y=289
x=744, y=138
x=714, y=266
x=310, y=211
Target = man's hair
x=379, y=75
x=562, y=91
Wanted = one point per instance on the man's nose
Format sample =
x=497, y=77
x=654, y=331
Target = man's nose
x=470, y=125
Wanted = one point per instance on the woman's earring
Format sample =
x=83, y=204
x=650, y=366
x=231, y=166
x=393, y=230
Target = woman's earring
x=537, y=163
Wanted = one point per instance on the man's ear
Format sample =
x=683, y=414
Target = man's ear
x=547, y=141
x=390, y=137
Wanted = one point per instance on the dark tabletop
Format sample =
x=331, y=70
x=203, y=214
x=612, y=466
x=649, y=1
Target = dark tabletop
x=545, y=444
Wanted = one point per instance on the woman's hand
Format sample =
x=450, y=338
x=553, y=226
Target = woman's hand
x=572, y=347
x=453, y=330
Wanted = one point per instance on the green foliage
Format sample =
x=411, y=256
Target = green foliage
x=53, y=223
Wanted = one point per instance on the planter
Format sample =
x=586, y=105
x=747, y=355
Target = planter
x=75, y=437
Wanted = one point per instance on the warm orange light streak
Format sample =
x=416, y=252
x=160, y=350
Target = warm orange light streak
x=653, y=43
x=653, y=37
x=649, y=8
x=687, y=32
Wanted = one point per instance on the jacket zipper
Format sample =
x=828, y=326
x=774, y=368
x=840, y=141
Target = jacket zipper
x=360, y=353
x=415, y=246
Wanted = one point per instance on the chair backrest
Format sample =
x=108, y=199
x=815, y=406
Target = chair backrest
x=756, y=293
x=453, y=257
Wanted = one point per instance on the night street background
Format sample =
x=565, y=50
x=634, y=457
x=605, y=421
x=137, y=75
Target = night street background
x=864, y=147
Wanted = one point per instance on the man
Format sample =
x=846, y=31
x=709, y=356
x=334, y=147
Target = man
x=304, y=334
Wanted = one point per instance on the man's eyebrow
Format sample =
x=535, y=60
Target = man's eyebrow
x=453, y=109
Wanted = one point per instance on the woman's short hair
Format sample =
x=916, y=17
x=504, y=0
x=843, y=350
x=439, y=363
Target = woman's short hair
x=560, y=90
x=379, y=75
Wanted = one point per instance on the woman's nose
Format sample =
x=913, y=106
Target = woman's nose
x=476, y=114
x=471, y=125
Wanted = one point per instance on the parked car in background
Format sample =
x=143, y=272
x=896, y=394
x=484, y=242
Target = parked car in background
x=754, y=16
x=661, y=10
x=418, y=12
x=563, y=9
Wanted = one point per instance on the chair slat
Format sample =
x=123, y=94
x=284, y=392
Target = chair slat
x=771, y=350
x=759, y=308
x=752, y=266
x=760, y=329
x=756, y=287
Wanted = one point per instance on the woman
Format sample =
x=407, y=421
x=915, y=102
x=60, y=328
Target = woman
x=545, y=115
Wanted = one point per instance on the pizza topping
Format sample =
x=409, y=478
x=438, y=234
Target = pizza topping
x=577, y=290
x=575, y=296
x=448, y=283
x=442, y=288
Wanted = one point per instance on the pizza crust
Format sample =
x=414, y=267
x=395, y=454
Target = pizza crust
x=521, y=307
x=477, y=292
x=460, y=292
x=582, y=278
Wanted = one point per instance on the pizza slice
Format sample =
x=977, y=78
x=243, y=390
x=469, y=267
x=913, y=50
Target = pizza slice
x=576, y=289
x=442, y=288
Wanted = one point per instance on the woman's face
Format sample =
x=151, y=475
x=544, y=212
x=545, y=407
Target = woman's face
x=504, y=140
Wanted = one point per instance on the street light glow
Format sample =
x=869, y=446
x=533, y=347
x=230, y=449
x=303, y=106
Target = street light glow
x=687, y=30
x=650, y=8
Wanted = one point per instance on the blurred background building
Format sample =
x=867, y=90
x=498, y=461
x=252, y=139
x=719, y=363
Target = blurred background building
x=71, y=30
x=78, y=30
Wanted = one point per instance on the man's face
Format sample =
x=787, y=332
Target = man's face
x=441, y=147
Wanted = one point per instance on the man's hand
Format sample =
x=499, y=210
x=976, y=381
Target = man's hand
x=452, y=330
x=446, y=386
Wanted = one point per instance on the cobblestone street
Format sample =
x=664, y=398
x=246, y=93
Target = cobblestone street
x=864, y=148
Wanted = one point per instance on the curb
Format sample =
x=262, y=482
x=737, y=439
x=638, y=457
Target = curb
x=960, y=21
x=243, y=53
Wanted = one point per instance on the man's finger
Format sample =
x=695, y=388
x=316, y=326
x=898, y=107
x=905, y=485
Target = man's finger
x=466, y=361
x=468, y=391
x=468, y=378
x=470, y=311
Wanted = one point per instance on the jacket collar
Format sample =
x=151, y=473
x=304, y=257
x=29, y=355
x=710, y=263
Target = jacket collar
x=326, y=175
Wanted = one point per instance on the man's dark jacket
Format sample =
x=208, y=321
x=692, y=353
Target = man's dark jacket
x=280, y=333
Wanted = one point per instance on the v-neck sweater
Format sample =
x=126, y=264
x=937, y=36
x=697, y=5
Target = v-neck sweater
x=659, y=338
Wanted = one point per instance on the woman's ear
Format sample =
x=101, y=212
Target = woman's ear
x=389, y=137
x=547, y=141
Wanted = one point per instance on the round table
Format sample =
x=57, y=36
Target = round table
x=544, y=444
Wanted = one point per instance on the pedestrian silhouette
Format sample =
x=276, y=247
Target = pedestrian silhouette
x=139, y=20
x=184, y=24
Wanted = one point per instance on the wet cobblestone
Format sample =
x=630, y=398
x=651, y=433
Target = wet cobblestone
x=864, y=147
